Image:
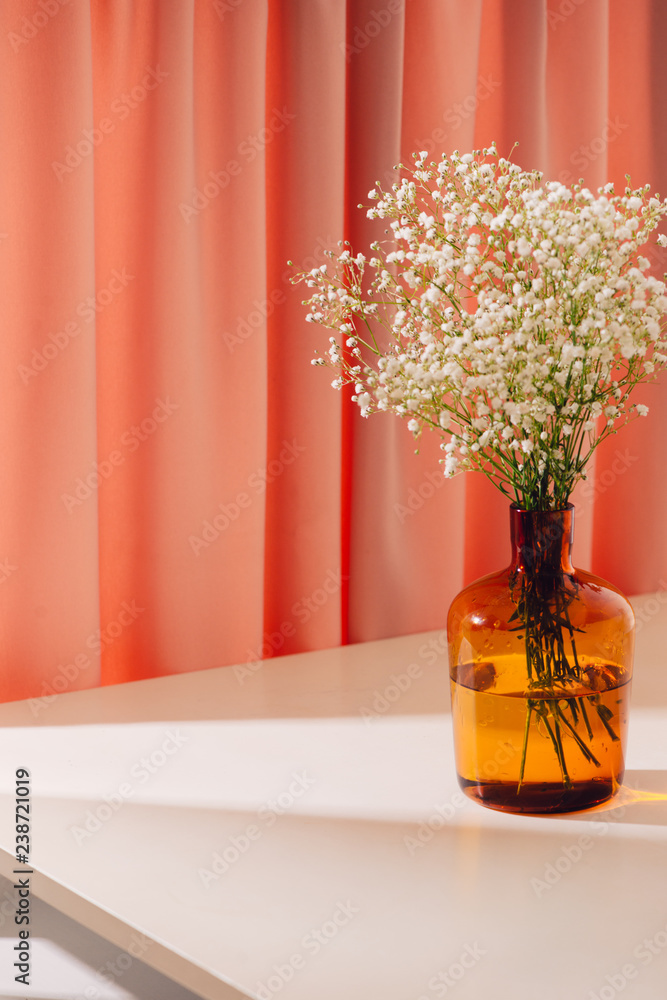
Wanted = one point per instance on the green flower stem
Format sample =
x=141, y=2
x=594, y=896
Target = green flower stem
x=524, y=748
x=588, y=754
x=556, y=740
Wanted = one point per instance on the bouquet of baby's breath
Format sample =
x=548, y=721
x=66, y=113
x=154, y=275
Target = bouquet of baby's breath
x=514, y=317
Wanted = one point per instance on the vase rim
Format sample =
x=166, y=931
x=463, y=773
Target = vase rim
x=557, y=510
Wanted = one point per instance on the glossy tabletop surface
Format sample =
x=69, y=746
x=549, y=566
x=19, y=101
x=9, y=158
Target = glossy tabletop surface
x=295, y=829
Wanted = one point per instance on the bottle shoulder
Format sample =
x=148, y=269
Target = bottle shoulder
x=490, y=599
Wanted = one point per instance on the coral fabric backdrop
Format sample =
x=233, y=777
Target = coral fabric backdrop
x=181, y=489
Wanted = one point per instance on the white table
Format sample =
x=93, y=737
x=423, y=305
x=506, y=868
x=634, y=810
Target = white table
x=354, y=869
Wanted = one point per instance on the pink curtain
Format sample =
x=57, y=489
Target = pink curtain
x=180, y=489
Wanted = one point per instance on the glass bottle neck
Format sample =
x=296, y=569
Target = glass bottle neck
x=542, y=540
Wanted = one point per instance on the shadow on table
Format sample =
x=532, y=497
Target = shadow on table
x=78, y=961
x=642, y=798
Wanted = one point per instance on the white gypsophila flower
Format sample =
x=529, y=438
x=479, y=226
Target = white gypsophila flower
x=517, y=316
x=364, y=399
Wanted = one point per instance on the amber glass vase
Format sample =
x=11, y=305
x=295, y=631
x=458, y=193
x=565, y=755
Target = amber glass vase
x=540, y=666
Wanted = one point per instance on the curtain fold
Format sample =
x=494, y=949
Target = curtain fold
x=181, y=489
x=49, y=595
x=305, y=192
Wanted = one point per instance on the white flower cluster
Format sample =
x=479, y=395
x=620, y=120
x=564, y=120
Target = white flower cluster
x=517, y=317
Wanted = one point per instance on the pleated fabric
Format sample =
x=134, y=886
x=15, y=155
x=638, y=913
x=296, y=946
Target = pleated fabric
x=180, y=488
